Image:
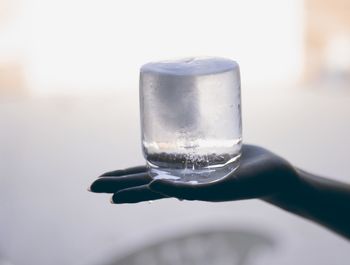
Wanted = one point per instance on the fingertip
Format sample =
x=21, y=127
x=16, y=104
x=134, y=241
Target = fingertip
x=117, y=200
x=97, y=186
x=93, y=187
x=121, y=197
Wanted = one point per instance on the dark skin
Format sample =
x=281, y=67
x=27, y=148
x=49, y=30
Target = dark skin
x=261, y=174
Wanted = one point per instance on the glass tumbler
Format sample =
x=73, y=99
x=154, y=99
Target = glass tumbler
x=191, y=118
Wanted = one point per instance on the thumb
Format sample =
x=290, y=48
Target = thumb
x=175, y=189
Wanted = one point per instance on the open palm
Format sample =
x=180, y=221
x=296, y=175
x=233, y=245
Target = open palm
x=261, y=174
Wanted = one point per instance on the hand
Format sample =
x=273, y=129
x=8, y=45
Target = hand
x=261, y=174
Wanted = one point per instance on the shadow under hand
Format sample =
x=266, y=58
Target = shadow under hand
x=205, y=247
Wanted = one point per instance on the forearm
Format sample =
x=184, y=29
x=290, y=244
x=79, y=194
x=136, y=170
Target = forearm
x=322, y=200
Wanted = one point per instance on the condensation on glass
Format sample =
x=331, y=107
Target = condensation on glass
x=191, y=118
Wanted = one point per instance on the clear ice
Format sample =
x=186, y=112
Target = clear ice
x=191, y=118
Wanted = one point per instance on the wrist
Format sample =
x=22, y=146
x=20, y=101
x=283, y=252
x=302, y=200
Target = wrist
x=291, y=193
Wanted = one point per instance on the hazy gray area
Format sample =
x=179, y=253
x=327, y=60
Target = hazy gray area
x=52, y=148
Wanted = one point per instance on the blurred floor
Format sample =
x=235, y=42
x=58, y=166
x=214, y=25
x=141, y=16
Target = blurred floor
x=52, y=148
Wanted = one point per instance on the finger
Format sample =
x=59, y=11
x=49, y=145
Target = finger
x=179, y=190
x=127, y=171
x=136, y=194
x=114, y=184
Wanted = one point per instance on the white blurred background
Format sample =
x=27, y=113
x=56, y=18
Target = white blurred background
x=69, y=112
x=75, y=46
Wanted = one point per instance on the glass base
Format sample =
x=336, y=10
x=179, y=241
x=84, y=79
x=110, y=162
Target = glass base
x=194, y=174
